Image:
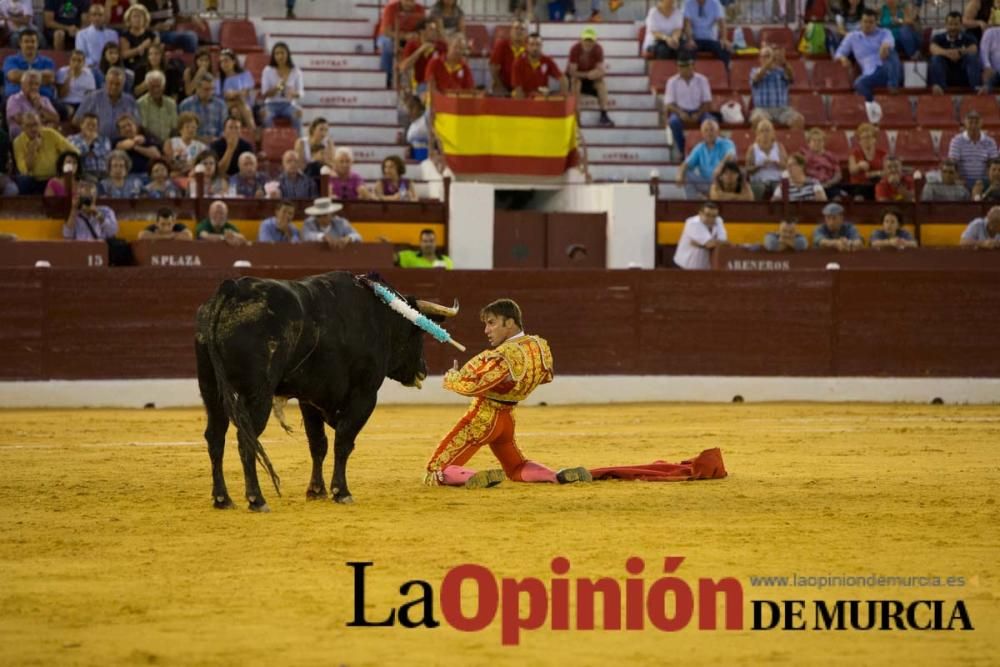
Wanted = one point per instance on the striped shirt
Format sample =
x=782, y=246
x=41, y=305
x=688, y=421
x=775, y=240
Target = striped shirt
x=805, y=191
x=972, y=155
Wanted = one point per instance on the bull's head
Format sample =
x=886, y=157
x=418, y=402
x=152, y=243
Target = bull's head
x=411, y=369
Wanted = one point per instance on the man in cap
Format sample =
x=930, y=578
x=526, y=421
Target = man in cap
x=686, y=100
x=323, y=225
x=586, y=71
x=834, y=232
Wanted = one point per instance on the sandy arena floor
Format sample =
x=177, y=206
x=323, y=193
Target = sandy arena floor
x=110, y=552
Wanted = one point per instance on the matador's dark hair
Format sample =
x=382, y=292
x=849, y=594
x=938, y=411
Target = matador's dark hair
x=505, y=308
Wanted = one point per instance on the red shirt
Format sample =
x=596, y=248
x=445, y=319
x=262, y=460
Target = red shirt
x=530, y=77
x=447, y=77
x=885, y=191
x=504, y=54
x=420, y=64
x=586, y=60
x=875, y=164
x=408, y=20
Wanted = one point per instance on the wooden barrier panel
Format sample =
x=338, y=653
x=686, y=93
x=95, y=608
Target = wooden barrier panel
x=318, y=256
x=65, y=254
x=738, y=258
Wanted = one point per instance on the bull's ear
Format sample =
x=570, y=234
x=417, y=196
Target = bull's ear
x=430, y=308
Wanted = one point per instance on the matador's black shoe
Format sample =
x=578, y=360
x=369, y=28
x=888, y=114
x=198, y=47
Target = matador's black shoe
x=570, y=475
x=484, y=479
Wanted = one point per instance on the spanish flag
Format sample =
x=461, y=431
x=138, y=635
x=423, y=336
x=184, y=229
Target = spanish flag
x=506, y=137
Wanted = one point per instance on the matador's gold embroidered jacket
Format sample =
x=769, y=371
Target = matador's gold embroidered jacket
x=509, y=372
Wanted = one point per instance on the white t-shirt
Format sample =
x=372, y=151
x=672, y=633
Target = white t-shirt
x=657, y=22
x=269, y=78
x=690, y=256
x=78, y=87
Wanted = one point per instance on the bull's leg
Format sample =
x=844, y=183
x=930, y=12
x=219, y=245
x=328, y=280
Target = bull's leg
x=258, y=411
x=351, y=419
x=318, y=447
x=215, y=430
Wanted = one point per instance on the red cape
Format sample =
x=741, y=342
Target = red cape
x=707, y=465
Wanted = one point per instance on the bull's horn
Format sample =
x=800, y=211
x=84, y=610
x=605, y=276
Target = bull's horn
x=429, y=308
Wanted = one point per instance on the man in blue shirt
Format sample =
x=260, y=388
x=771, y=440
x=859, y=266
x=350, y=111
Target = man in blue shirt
x=92, y=39
x=874, y=49
x=698, y=171
x=279, y=227
x=27, y=58
x=835, y=233
x=705, y=25
x=211, y=110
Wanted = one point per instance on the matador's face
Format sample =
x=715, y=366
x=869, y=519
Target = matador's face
x=499, y=329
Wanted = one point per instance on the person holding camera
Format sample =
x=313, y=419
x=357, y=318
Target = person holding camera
x=87, y=221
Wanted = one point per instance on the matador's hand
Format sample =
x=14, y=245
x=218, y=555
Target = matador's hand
x=454, y=365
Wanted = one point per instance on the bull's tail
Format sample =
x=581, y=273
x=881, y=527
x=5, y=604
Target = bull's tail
x=234, y=403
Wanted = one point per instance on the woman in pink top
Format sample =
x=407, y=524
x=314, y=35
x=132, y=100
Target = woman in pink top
x=821, y=164
x=345, y=184
x=56, y=187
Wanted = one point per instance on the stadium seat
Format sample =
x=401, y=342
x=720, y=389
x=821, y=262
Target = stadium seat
x=781, y=37
x=716, y=72
x=60, y=58
x=915, y=147
x=935, y=111
x=479, y=39
x=945, y=141
x=739, y=74
x=800, y=76
x=239, y=35
x=847, y=111
x=837, y=143
x=986, y=105
x=659, y=72
x=794, y=141
x=743, y=140
x=255, y=63
x=810, y=106
x=830, y=76
x=896, y=110
x=274, y=141
x=201, y=29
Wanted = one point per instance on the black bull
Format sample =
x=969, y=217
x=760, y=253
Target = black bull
x=327, y=340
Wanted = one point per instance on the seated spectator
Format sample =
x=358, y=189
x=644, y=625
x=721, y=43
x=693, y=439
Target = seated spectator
x=30, y=99
x=214, y=184
x=891, y=235
x=990, y=191
x=247, y=182
x=702, y=234
x=787, y=238
x=398, y=24
x=36, y=151
x=92, y=39
x=449, y=15
x=281, y=88
x=211, y=111
x=903, y=20
x=316, y=150
x=954, y=58
x=75, y=81
x=8, y=187
x=533, y=70
x=983, y=233
x=505, y=52
x=586, y=72
x=392, y=186
x=972, y=149
x=664, y=38
x=417, y=53
x=28, y=58
x=156, y=62
x=112, y=57
x=87, y=221
x=199, y=67
x=182, y=151
x=136, y=38
x=346, y=185
x=137, y=145
x=166, y=228
x=765, y=159
x=894, y=186
x=821, y=164
x=236, y=85
x=323, y=225
x=833, y=232
x=16, y=16
x=230, y=146
x=279, y=228
x=450, y=73
x=427, y=257
x=63, y=19
x=120, y=183
x=700, y=168
x=864, y=164
x=93, y=148
x=157, y=112
x=108, y=103
x=292, y=183
x=165, y=15
x=874, y=50
x=769, y=85
x=67, y=171
x=217, y=227
x=705, y=25
x=417, y=134
x=730, y=184
x=686, y=99
x=950, y=188
x=160, y=185
x=800, y=186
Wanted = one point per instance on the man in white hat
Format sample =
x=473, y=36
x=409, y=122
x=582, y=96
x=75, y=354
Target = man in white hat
x=323, y=225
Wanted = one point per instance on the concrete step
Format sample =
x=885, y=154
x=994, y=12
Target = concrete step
x=377, y=152
x=343, y=26
x=304, y=10
x=559, y=48
x=350, y=134
x=628, y=154
x=621, y=30
x=329, y=44
x=350, y=97
x=367, y=10
x=624, y=136
x=632, y=64
x=630, y=118
x=622, y=101
x=366, y=115
x=632, y=172
x=627, y=83
x=315, y=78
x=338, y=61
